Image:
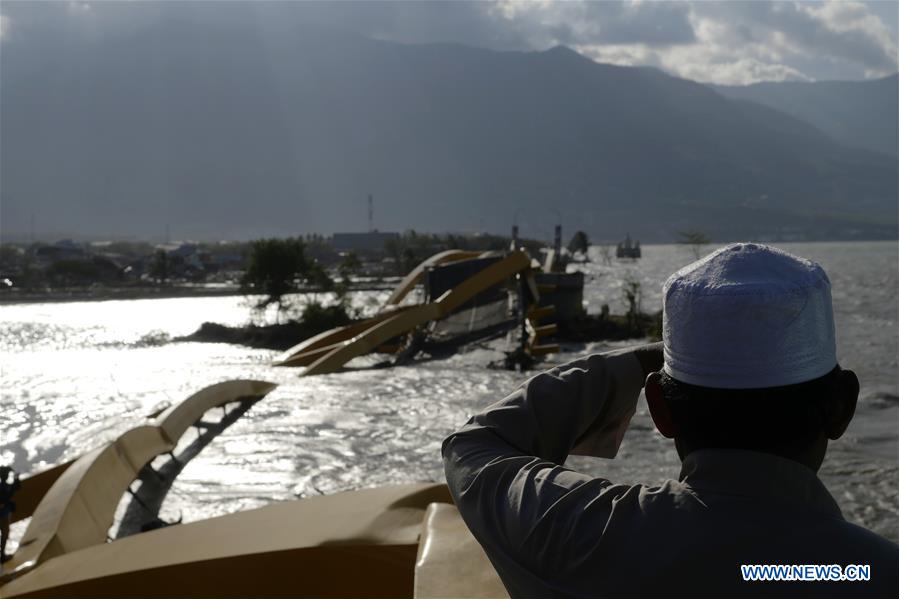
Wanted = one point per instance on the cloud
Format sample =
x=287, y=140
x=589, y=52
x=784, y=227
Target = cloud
x=718, y=42
x=856, y=33
x=696, y=63
x=4, y=26
x=577, y=23
x=740, y=71
x=835, y=34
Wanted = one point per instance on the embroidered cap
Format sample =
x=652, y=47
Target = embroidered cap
x=748, y=316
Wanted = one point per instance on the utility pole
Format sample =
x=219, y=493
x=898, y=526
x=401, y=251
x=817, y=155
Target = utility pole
x=371, y=214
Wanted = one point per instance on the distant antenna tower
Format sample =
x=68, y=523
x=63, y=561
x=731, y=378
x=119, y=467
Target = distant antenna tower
x=371, y=214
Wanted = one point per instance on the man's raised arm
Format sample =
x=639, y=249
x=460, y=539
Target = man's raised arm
x=504, y=466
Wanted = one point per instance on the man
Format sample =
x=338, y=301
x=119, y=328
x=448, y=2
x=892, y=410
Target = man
x=750, y=392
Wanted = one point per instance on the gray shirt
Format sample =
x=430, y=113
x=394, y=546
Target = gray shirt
x=550, y=531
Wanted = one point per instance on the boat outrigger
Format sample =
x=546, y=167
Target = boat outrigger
x=397, y=541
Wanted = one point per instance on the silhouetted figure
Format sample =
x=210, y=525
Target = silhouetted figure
x=9, y=484
x=746, y=383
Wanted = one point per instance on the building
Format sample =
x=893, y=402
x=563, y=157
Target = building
x=362, y=242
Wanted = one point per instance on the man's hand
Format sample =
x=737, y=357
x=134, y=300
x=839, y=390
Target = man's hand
x=603, y=441
x=650, y=357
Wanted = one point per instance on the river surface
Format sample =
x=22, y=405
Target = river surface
x=77, y=374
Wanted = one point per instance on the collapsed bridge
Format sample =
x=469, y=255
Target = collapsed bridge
x=73, y=505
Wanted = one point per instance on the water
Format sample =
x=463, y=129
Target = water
x=76, y=374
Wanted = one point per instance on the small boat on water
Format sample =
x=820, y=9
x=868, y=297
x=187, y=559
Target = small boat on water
x=628, y=248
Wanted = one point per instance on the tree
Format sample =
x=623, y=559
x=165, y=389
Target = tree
x=10, y=257
x=72, y=273
x=279, y=267
x=579, y=243
x=321, y=318
x=695, y=240
x=159, y=267
x=348, y=266
x=605, y=252
x=633, y=295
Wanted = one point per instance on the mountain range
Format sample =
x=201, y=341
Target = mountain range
x=217, y=133
x=862, y=114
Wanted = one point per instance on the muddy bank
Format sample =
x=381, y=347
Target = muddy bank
x=274, y=336
x=285, y=335
x=610, y=327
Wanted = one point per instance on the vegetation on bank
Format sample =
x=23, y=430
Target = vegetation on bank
x=579, y=243
x=289, y=274
x=277, y=271
x=277, y=268
x=280, y=270
x=633, y=324
x=696, y=241
x=610, y=327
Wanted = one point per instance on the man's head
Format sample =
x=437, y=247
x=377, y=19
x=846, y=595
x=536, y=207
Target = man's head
x=750, y=357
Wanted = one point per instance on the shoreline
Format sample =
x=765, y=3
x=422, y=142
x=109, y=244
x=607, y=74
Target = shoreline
x=113, y=293
x=11, y=298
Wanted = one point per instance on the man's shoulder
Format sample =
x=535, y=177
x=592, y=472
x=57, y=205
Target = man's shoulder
x=861, y=539
x=745, y=521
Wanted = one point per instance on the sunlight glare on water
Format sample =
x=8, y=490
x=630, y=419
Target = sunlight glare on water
x=78, y=374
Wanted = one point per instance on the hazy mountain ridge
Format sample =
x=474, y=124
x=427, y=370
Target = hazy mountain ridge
x=225, y=134
x=862, y=114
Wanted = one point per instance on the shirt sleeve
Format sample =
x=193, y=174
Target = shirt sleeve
x=504, y=466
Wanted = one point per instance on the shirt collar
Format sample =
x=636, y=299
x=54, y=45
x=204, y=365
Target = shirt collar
x=759, y=475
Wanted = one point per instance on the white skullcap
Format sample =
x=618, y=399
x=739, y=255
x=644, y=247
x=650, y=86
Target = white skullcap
x=748, y=316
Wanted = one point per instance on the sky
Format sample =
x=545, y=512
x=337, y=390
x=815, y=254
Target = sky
x=733, y=43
